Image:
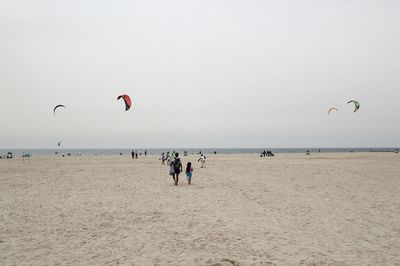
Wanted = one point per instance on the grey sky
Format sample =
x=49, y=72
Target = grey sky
x=200, y=73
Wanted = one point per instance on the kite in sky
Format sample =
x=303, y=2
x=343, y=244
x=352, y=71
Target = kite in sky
x=356, y=105
x=58, y=106
x=127, y=101
x=331, y=109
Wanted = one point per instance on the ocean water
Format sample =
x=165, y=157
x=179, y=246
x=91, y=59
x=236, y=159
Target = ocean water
x=18, y=152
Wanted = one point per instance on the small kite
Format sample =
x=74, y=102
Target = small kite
x=331, y=109
x=59, y=144
x=356, y=105
x=58, y=106
x=127, y=101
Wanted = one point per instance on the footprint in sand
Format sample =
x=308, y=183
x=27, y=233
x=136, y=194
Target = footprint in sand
x=225, y=262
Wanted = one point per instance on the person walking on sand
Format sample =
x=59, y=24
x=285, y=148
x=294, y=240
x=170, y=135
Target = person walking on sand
x=189, y=172
x=172, y=172
x=202, y=160
x=177, y=166
x=162, y=158
x=133, y=154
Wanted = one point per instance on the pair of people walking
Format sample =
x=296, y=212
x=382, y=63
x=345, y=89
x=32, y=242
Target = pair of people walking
x=176, y=169
x=134, y=155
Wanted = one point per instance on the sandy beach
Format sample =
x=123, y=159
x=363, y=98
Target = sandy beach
x=291, y=209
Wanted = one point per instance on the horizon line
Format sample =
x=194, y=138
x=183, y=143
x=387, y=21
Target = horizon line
x=207, y=148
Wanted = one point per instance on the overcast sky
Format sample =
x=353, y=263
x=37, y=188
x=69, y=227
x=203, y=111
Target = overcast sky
x=200, y=73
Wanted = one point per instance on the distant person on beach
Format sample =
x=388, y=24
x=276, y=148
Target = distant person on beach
x=145, y=152
x=269, y=153
x=136, y=153
x=177, y=168
x=133, y=154
x=189, y=172
x=162, y=158
x=202, y=160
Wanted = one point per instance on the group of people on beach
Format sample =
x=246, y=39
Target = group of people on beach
x=175, y=166
x=135, y=154
x=266, y=153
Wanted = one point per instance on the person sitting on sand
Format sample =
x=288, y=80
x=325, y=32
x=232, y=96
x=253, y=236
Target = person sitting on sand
x=189, y=172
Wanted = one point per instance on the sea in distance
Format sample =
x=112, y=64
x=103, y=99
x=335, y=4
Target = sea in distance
x=158, y=151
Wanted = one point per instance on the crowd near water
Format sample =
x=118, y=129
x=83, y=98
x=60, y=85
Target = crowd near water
x=191, y=151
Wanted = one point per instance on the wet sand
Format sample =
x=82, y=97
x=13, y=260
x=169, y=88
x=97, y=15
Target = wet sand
x=291, y=209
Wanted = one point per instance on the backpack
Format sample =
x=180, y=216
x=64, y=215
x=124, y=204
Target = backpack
x=177, y=163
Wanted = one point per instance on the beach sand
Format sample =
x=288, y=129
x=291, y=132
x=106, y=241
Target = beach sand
x=291, y=209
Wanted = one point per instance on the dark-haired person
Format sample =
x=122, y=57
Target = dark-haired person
x=189, y=172
x=177, y=166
